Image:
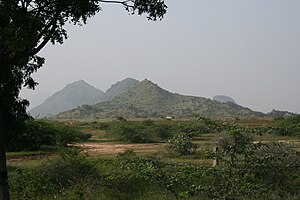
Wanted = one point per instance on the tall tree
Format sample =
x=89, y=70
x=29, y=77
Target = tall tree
x=26, y=26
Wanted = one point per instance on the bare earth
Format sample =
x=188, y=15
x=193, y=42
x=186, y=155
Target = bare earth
x=109, y=148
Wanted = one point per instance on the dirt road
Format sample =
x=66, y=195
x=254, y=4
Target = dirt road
x=110, y=148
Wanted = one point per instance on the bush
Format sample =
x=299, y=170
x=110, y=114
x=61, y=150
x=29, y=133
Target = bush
x=102, y=126
x=182, y=144
x=133, y=132
x=286, y=126
x=136, y=134
x=142, y=132
x=201, y=126
x=165, y=131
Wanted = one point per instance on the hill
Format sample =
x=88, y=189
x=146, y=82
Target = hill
x=223, y=99
x=116, y=89
x=278, y=113
x=146, y=99
x=71, y=96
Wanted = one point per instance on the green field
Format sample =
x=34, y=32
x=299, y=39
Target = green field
x=258, y=159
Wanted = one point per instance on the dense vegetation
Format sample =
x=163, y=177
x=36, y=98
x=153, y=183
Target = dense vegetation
x=36, y=134
x=286, y=126
x=142, y=132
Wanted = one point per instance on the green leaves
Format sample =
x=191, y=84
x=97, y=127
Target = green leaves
x=142, y=132
x=252, y=168
x=287, y=126
x=155, y=9
x=182, y=144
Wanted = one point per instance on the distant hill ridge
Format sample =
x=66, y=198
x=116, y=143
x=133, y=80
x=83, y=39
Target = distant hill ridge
x=76, y=94
x=71, y=96
x=146, y=99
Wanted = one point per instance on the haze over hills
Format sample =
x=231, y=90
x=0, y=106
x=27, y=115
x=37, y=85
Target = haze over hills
x=223, y=99
x=71, y=96
x=146, y=99
x=76, y=94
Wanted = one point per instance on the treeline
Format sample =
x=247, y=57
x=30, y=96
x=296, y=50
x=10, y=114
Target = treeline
x=148, y=131
x=35, y=134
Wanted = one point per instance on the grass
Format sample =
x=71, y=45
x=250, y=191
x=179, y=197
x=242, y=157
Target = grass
x=25, y=153
x=255, y=123
x=29, y=163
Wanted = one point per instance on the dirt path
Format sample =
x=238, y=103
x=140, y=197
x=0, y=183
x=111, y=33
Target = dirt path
x=111, y=148
x=97, y=149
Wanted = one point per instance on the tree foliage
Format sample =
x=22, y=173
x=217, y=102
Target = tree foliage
x=182, y=144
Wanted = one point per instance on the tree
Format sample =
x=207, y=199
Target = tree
x=26, y=26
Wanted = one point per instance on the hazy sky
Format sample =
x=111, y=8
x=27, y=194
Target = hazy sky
x=246, y=49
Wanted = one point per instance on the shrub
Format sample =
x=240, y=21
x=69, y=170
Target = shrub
x=179, y=180
x=102, y=126
x=286, y=126
x=121, y=119
x=165, y=131
x=132, y=132
x=136, y=134
x=127, y=154
x=142, y=132
x=148, y=122
x=182, y=144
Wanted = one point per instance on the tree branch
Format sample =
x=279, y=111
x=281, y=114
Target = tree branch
x=35, y=50
x=47, y=38
x=125, y=3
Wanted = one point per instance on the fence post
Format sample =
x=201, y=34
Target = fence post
x=215, y=158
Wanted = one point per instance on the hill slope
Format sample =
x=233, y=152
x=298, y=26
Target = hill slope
x=70, y=97
x=146, y=99
x=223, y=99
x=116, y=89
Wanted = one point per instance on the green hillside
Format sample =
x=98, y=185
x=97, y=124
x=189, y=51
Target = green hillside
x=146, y=99
x=116, y=89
